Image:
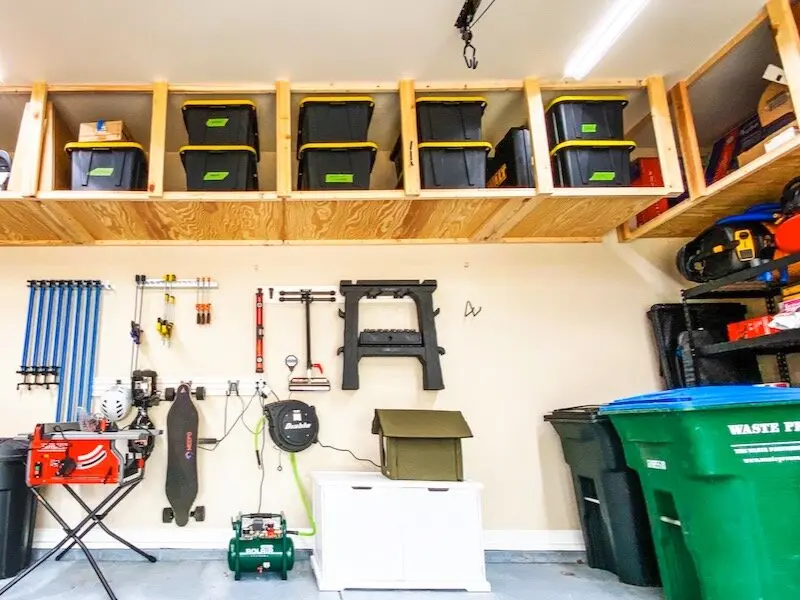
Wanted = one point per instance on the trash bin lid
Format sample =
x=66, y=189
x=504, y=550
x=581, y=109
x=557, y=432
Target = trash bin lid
x=588, y=413
x=13, y=449
x=701, y=398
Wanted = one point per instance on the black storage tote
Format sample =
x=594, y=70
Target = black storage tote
x=511, y=165
x=334, y=119
x=450, y=119
x=330, y=166
x=587, y=118
x=592, y=164
x=453, y=165
x=611, y=506
x=221, y=123
x=220, y=168
x=17, y=508
x=107, y=166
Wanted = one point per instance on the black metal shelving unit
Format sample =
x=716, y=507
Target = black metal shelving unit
x=743, y=285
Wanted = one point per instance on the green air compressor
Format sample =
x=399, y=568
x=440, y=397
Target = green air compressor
x=260, y=543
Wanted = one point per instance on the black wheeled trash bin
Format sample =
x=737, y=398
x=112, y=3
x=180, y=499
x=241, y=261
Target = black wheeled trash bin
x=17, y=508
x=613, y=515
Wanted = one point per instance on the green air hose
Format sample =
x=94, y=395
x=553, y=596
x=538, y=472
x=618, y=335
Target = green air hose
x=306, y=504
x=304, y=498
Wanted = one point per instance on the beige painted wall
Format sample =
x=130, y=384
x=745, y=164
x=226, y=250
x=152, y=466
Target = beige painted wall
x=561, y=325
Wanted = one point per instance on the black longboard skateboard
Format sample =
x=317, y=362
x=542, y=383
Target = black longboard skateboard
x=181, y=485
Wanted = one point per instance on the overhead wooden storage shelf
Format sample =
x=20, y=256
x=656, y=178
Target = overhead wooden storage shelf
x=42, y=210
x=702, y=117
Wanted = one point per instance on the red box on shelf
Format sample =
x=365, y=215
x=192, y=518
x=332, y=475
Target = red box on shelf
x=751, y=328
x=646, y=172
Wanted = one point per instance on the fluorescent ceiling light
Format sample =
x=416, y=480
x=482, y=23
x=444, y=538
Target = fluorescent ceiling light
x=600, y=39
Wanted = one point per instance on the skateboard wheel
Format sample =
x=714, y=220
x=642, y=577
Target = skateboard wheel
x=169, y=394
x=199, y=513
x=167, y=515
x=200, y=392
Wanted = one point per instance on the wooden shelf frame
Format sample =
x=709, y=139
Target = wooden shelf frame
x=759, y=181
x=284, y=215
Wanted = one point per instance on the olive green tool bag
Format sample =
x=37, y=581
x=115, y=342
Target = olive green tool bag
x=421, y=445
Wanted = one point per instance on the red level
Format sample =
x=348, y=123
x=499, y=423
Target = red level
x=259, y=331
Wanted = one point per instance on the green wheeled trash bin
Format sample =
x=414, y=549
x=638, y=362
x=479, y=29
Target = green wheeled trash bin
x=17, y=508
x=609, y=496
x=720, y=471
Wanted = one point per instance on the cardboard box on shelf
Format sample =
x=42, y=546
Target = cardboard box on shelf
x=103, y=131
x=421, y=444
x=751, y=328
x=775, y=104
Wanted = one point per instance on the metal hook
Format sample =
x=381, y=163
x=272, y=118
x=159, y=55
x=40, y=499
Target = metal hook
x=469, y=50
x=471, y=311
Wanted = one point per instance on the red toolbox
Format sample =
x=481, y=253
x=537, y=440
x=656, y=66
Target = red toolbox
x=751, y=328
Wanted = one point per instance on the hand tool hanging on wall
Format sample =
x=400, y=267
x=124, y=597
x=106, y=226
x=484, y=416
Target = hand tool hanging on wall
x=136, y=322
x=207, y=299
x=203, y=305
x=166, y=323
x=259, y=330
x=421, y=344
x=309, y=383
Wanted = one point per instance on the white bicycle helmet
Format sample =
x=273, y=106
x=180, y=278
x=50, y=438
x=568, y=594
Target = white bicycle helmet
x=115, y=403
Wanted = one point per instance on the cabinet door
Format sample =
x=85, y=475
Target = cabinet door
x=443, y=537
x=363, y=535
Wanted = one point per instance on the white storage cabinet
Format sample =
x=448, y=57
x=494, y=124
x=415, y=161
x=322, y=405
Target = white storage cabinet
x=373, y=532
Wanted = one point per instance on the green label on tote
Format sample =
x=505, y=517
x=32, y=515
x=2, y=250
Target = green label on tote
x=603, y=176
x=218, y=122
x=589, y=128
x=215, y=175
x=101, y=172
x=339, y=178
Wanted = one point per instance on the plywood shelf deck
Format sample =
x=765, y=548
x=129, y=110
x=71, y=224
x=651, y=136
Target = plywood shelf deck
x=584, y=213
x=391, y=215
x=760, y=181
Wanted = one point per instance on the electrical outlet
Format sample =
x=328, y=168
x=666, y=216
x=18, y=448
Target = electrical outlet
x=233, y=387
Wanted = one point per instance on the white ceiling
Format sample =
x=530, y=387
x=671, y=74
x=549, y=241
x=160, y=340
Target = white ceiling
x=93, y=41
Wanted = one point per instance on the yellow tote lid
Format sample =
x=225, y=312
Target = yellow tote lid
x=192, y=103
x=183, y=149
x=338, y=146
x=336, y=100
x=593, y=144
x=102, y=146
x=456, y=145
x=592, y=99
x=453, y=100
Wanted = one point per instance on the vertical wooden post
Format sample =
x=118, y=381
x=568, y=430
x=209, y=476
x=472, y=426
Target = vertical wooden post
x=687, y=135
x=408, y=131
x=665, y=136
x=540, y=149
x=158, y=140
x=283, y=138
x=30, y=142
x=787, y=39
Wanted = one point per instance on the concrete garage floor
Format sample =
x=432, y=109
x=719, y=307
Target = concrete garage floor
x=211, y=580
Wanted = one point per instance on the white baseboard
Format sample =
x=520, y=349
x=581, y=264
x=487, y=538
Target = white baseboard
x=211, y=539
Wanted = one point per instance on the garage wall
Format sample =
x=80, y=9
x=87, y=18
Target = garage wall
x=561, y=325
